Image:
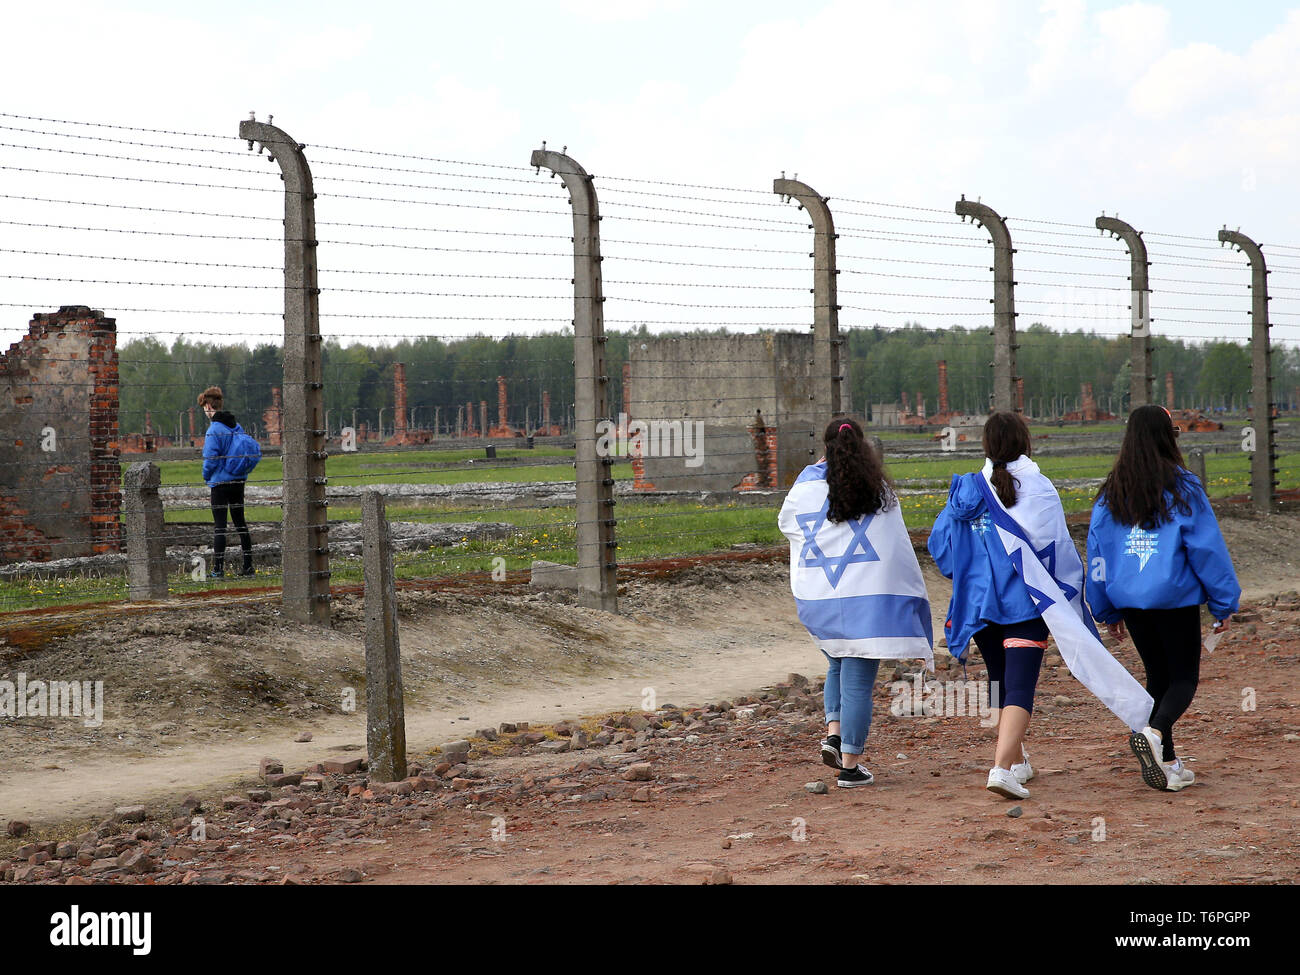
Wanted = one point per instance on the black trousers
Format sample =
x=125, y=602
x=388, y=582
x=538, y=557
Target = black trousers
x=1014, y=669
x=1169, y=643
x=228, y=497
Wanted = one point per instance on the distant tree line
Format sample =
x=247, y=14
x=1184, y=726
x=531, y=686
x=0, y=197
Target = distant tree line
x=885, y=363
x=443, y=375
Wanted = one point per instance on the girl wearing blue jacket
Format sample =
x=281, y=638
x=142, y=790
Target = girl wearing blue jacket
x=990, y=602
x=1155, y=554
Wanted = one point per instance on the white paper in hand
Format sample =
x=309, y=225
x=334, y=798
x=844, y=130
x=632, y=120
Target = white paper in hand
x=1213, y=639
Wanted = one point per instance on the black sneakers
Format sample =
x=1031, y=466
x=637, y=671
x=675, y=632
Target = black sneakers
x=848, y=778
x=831, y=752
x=851, y=778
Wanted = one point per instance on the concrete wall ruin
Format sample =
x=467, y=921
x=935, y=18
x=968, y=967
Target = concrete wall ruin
x=750, y=392
x=59, y=472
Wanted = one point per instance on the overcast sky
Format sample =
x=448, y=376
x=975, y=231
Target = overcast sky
x=1181, y=117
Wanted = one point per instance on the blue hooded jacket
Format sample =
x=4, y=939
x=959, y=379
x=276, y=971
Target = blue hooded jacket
x=219, y=465
x=1182, y=562
x=985, y=585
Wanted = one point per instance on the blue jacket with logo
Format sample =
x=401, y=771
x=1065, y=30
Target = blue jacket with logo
x=985, y=585
x=1182, y=562
x=218, y=464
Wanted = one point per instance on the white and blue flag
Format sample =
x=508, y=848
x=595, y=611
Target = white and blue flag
x=857, y=585
x=1039, y=546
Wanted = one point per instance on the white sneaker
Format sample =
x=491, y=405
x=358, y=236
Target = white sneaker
x=1023, y=771
x=1005, y=784
x=1148, y=748
x=1177, y=775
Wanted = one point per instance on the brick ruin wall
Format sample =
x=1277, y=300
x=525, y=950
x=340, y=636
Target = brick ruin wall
x=60, y=476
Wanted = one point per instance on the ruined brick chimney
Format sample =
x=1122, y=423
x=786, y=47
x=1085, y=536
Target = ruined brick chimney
x=1169, y=391
x=1089, y=409
x=943, y=386
x=1020, y=394
x=273, y=420
x=399, y=402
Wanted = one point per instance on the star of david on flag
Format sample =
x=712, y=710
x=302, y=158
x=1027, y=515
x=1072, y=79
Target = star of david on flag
x=1047, y=555
x=858, y=549
x=1040, y=598
x=1038, y=517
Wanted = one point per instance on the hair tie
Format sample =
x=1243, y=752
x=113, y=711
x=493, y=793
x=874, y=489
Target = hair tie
x=843, y=427
x=999, y=463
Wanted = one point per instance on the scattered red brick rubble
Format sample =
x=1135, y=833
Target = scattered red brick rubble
x=725, y=792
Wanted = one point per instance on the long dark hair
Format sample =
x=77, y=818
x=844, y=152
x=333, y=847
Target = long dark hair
x=856, y=481
x=1148, y=473
x=1006, y=437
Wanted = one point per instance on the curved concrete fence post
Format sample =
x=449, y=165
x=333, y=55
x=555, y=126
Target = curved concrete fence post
x=828, y=380
x=304, y=557
x=1141, y=379
x=1263, y=463
x=597, y=568
x=1004, y=302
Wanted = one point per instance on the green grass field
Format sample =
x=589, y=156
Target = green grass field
x=402, y=467
x=647, y=528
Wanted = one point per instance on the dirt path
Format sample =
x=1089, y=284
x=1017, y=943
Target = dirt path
x=196, y=699
x=725, y=631
x=720, y=797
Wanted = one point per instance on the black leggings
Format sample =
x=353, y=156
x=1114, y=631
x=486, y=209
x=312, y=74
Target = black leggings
x=1013, y=668
x=1169, y=643
x=229, y=495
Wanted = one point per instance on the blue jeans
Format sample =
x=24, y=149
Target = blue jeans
x=849, y=681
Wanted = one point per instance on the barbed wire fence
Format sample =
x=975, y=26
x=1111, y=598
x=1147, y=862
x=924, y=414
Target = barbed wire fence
x=431, y=275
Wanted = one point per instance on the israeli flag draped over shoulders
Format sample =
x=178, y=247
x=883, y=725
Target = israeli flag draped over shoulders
x=857, y=585
x=1039, y=546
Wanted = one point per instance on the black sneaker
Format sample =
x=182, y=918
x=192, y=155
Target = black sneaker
x=851, y=778
x=217, y=574
x=831, y=752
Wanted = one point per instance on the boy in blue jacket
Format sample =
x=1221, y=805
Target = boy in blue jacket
x=222, y=474
x=1155, y=554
